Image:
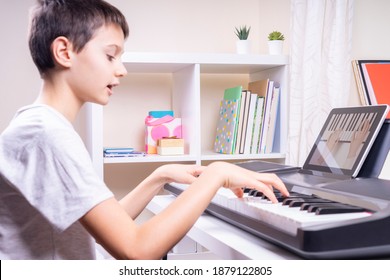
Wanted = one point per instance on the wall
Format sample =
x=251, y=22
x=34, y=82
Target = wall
x=19, y=79
x=200, y=26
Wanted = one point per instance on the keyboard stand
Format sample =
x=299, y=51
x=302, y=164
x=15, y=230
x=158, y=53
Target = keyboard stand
x=223, y=239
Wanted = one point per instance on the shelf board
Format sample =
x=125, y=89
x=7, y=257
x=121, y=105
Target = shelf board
x=216, y=156
x=150, y=159
x=187, y=158
x=143, y=62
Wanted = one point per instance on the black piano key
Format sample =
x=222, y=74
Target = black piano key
x=280, y=197
x=258, y=194
x=277, y=195
x=251, y=192
x=296, y=203
x=338, y=210
x=299, y=201
x=305, y=206
x=314, y=206
x=291, y=198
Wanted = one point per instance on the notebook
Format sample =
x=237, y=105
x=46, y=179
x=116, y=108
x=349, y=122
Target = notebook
x=340, y=148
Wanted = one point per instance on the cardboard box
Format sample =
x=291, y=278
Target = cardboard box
x=170, y=146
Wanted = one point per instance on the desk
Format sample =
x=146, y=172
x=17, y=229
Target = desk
x=223, y=239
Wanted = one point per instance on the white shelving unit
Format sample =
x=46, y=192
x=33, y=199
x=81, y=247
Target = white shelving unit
x=192, y=78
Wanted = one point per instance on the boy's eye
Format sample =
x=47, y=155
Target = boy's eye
x=110, y=57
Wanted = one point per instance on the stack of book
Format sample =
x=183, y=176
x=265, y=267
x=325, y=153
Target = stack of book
x=247, y=119
x=373, y=81
x=122, y=152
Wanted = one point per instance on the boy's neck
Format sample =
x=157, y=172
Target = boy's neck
x=59, y=97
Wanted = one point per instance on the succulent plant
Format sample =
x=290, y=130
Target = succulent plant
x=242, y=32
x=275, y=35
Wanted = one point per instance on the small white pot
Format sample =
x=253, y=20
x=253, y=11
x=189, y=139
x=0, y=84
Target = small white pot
x=275, y=47
x=243, y=46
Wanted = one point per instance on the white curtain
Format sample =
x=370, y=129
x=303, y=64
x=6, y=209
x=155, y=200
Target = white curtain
x=320, y=69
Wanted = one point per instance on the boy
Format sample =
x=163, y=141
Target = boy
x=52, y=204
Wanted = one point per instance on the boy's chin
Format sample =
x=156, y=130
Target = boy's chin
x=105, y=102
x=102, y=101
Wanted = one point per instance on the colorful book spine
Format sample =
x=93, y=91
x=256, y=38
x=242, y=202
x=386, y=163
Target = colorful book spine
x=226, y=127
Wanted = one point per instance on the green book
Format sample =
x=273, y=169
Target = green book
x=233, y=93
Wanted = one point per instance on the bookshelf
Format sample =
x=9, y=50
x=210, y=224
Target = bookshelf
x=189, y=84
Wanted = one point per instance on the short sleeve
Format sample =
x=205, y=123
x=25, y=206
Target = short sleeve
x=54, y=172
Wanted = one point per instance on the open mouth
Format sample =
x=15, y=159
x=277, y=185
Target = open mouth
x=110, y=91
x=111, y=87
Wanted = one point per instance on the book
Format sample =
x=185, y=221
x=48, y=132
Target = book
x=374, y=81
x=244, y=119
x=266, y=116
x=226, y=127
x=133, y=154
x=263, y=88
x=260, y=87
x=250, y=123
x=129, y=154
x=234, y=93
x=118, y=150
x=257, y=125
x=272, y=119
x=359, y=82
x=241, y=114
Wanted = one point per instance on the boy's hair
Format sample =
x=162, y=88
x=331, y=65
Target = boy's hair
x=75, y=19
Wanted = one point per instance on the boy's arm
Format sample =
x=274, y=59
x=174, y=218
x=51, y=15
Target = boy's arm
x=135, y=201
x=112, y=227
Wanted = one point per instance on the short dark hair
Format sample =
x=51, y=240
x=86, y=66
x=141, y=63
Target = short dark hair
x=75, y=19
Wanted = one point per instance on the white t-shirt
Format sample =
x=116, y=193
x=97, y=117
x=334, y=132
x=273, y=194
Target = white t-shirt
x=47, y=183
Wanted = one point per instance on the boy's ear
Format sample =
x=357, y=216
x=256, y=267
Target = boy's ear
x=62, y=51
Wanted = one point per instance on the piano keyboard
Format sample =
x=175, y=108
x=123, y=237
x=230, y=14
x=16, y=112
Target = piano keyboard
x=290, y=214
x=347, y=124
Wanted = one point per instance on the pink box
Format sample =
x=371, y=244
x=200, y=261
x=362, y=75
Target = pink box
x=158, y=128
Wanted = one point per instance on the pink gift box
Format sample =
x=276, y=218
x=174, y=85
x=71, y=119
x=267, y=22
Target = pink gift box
x=158, y=128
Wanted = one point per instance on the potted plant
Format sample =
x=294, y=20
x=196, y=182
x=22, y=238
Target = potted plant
x=275, y=42
x=243, y=45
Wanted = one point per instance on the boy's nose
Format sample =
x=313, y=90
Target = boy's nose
x=121, y=71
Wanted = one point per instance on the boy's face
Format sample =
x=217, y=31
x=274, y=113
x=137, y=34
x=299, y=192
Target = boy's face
x=97, y=68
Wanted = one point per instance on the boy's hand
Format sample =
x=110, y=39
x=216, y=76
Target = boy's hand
x=180, y=173
x=236, y=178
